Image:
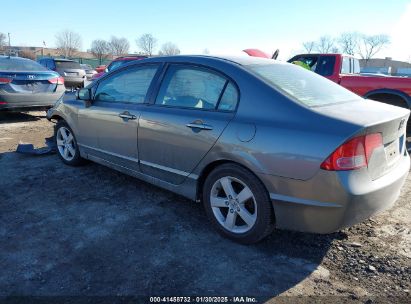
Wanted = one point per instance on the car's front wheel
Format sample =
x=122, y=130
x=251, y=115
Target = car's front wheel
x=66, y=144
x=238, y=204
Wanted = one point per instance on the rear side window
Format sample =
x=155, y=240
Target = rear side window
x=302, y=85
x=229, y=99
x=346, y=65
x=128, y=86
x=356, y=66
x=325, y=65
x=191, y=87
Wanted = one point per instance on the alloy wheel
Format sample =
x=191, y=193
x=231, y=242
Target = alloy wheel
x=65, y=143
x=233, y=204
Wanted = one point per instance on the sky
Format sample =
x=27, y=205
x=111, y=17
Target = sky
x=221, y=26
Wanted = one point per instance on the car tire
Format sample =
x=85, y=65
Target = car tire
x=66, y=144
x=246, y=215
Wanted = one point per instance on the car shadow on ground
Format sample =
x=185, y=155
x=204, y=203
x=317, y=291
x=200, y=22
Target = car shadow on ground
x=93, y=231
x=16, y=117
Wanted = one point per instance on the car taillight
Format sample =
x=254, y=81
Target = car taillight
x=353, y=154
x=4, y=80
x=3, y=102
x=57, y=80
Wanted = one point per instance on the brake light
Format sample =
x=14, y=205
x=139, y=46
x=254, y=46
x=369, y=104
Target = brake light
x=57, y=80
x=3, y=102
x=353, y=154
x=4, y=80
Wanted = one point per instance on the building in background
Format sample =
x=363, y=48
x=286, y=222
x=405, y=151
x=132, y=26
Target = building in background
x=386, y=66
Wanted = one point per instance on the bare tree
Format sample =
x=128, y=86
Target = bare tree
x=325, y=44
x=2, y=41
x=169, y=48
x=100, y=49
x=147, y=43
x=119, y=46
x=68, y=43
x=369, y=46
x=335, y=50
x=348, y=42
x=309, y=46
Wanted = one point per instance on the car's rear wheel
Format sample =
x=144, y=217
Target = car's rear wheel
x=66, y=144
x=238, y=204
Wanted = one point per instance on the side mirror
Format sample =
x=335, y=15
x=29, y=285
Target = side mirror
x=84, y=94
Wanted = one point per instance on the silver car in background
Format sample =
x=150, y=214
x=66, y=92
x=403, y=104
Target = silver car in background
x=261, y=143
x=73, y=74
x=90, y=72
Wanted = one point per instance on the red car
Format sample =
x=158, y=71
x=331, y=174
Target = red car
x=101, y=68
x=116, y=63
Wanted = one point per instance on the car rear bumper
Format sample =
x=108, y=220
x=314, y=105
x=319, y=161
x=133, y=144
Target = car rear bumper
x=73, y=81
x=331, y=201
x=30, y=100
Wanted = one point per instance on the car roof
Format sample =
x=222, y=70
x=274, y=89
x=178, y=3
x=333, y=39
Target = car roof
x=136, y=57
x=15, y=58
x=204, y=59
x=63, y=59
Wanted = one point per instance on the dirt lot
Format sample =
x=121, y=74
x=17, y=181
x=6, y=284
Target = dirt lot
x=92, y=231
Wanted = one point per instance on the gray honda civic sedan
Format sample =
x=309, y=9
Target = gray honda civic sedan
x=263, y=144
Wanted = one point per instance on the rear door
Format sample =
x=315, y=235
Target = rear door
x=192, y=108
x=109, y=126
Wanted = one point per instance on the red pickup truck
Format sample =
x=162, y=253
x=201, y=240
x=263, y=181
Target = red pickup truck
x=345, y=70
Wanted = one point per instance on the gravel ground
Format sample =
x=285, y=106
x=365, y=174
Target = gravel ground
x=93, y=231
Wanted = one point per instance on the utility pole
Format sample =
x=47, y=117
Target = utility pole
x=9, y=45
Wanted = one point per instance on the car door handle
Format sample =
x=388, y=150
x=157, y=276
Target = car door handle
x=127, y=115
x=201, y=126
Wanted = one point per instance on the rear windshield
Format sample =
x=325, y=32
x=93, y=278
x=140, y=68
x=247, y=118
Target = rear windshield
x=302, y=85
x=10, y=64
x=67, y=64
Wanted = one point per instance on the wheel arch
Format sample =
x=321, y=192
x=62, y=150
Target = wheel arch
x=390, y=92
x=214, y=164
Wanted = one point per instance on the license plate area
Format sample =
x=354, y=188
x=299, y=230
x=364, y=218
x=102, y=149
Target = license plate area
x=392, y=152
x=71, y=74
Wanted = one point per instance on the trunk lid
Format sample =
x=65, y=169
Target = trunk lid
x=375, y=117
x=28, y=82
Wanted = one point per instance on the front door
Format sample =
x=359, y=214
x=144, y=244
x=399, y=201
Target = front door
x=110, y=124
x=192, y=108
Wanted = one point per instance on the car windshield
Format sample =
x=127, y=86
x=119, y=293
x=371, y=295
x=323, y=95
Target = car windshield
x=302, y=85
x=10, y=64
x=67, y=64
x=86, y=66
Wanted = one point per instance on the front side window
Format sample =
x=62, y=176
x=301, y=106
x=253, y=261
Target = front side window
x=325, y=65
x=116, y=64
x=191, y=88
x=128, y=86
